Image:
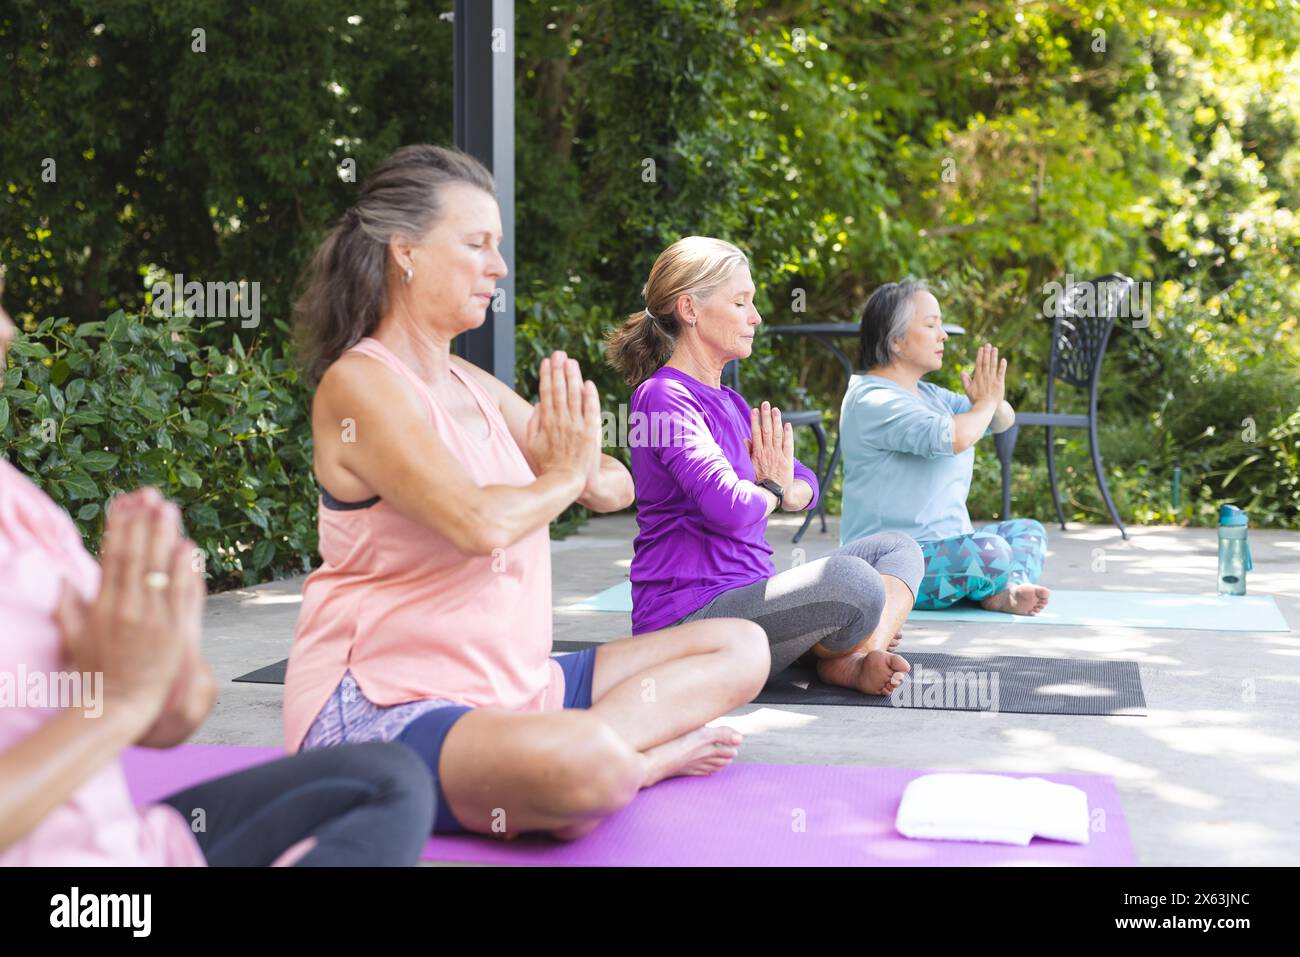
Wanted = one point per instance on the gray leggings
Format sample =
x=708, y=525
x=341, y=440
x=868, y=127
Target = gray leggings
x=836, y=600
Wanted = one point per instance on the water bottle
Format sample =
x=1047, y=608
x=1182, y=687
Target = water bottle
x=1234, y=551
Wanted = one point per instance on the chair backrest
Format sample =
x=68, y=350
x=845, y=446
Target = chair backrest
x=1082, y=327
x=731, y=374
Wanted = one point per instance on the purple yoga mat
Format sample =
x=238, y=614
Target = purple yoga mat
x=745, y=815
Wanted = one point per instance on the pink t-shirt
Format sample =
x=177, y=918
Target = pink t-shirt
x=412, y=617
x=98, y=824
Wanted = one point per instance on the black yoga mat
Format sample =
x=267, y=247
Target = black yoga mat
x=1000, y=683
x=273, y=674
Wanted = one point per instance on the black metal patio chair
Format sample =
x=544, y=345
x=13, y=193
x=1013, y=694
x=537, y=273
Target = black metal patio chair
x=1077, y=349
x=809, y=418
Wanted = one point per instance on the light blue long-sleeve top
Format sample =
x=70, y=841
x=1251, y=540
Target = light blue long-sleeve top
x=900, y=473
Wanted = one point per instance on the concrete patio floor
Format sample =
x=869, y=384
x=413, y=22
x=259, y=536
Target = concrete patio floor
x=1209, y=776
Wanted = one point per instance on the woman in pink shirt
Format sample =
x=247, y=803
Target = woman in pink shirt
x=97, y=657
x=429, y=620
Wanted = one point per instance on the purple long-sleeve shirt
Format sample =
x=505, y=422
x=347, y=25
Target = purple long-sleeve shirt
x=701, y=517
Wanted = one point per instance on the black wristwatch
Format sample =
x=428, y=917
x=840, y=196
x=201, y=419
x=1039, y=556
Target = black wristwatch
x=774, y=489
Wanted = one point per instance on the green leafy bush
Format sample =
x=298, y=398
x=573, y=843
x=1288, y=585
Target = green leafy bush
x=1212, y=398
x=105, y=407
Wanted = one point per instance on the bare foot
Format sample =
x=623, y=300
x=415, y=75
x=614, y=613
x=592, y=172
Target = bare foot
x=1025, y=599
x=697, y=752
x=876, y=672
x=895, y=641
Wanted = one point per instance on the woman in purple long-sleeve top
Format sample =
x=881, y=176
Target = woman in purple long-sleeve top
x=709, y=470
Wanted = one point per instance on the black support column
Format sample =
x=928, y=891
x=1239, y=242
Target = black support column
x=484, y=69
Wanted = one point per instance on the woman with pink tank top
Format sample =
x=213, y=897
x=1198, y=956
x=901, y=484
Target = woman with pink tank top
x=98, y=656
x=429, y=619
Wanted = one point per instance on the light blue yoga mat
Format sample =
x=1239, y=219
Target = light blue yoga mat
x=614, y=598
x=1133, y=609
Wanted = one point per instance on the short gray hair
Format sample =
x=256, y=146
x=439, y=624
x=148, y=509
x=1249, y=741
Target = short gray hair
x=884, y=319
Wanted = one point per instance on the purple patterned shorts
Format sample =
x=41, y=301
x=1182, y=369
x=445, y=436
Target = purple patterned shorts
x=349, y=717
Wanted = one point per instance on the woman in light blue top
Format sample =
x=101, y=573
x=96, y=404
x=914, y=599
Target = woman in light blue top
x=909, y=452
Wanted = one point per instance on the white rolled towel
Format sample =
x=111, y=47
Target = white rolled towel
x=992, y=808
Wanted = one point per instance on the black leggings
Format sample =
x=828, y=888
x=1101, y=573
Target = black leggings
x=366, y=805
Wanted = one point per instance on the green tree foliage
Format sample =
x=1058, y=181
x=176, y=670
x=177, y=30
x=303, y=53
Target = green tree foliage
x=993, y=148
x=105, y=407
x=990, y=147
x=221, y=165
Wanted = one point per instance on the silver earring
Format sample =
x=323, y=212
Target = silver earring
x=408, y=275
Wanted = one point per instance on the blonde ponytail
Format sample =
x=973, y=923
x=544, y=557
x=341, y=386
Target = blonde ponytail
x=694, y=266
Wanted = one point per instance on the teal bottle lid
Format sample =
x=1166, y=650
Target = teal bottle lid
x=1230, y=515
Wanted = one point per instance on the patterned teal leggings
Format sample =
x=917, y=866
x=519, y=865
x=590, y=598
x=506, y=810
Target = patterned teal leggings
x=982, y=563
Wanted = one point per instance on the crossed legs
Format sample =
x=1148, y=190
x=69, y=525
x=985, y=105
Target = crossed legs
x=563, y=772
x=847, y=609
x=653, y=695
x=998, y=566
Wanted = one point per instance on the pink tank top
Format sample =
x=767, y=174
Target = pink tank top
x=412, y=617
x=98, y=824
